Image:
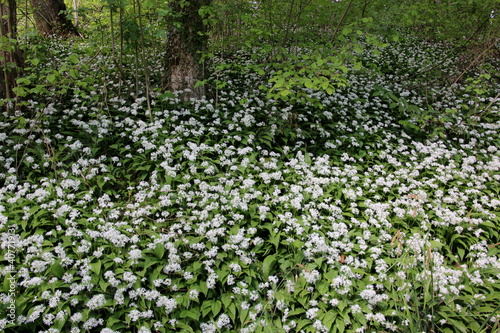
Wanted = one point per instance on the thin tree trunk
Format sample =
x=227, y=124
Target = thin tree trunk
x=10, y=55
x=75, y=14
x=334, y=36
x=184, y=45
x=112, y=24
x=120, y=54
x=144, y=60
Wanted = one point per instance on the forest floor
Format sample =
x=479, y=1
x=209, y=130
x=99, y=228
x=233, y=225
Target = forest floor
x=373, y=209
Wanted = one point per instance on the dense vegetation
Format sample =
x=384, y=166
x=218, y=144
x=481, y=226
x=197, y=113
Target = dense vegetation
x=349, y=185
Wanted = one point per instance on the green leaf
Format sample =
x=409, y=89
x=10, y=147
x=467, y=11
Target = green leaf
x=216, y=307
x=167, y=94
x=275, y=240
x=148, y=263
x=206, y=307
x=340, y=325
x=191, y=314
x=226, y=300
x=301, y=324
x=23, y=81
x=285, y=92
x=7, y=282
x=232, y=311
x=73, y=58
x=51, y=78
x=308, y=83
x=244, y=314
x=323, y=287
x=20, y=91
x=268, y=265
x=96, y=267
x=346, y=31
x=103, y=284
x=57, y=269
x=184, y=327
x=203, y=287
x=159, y=250
x=341, y=305
x=461, y=253
x=347, y=319
x=458, y=325
x=329, y=319
x=436, y=244
x=73, y=73
x=307, y=158
x=296, y=312
x=22, y=124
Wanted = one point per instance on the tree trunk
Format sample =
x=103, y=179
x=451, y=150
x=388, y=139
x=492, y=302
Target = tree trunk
x=186, y=40
x=75, y=14
x=50, y=18
x=9, y=53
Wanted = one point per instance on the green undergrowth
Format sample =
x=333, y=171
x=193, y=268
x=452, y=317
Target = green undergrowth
x=370, y=208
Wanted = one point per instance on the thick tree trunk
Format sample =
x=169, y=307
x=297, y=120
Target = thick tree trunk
x=185, y=42
x=9, y=54
x=51, y=19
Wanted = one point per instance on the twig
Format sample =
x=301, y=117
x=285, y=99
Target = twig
x=474, y=61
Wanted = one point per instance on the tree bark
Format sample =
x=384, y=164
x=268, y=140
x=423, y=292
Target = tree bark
x=186, y=40
x=50, y=18
x=75, y=14
x=10, y=58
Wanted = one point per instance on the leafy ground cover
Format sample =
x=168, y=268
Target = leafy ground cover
x=374, y=209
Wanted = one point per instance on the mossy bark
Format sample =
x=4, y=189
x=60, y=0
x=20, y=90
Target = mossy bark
x=50, y=18
x=186, y=41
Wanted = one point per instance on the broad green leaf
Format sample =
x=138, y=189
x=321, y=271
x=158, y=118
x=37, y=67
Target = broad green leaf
x=216, y=307
x=73, y=73
x=7, y=282
x=307, y=158
x=458, y=325
x=301, y=324
x=184, y=327
x=206, y=307
x=103, y=284
x=73, y=58
x=275, y=239
x=159, y=250
x=329, y=320
x=51, y=78
x=232, y=310
x=57, y=269
x=96, y=267
x=436, y=244
x=267, y=266
x=285, y=92
x=297, y=311
x=226, y=300
x=195, y=315
x=340, y=324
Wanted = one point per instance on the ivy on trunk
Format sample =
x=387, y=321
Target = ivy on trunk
x=50, y=18
x=186, y=41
